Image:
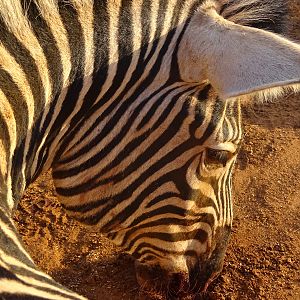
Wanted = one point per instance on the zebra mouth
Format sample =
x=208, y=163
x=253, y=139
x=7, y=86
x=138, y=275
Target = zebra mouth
x=189, y=284
x=155, y=281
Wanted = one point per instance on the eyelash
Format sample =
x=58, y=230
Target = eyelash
x=219, y=157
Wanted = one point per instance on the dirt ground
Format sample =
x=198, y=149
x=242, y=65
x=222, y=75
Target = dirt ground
x=262, y=260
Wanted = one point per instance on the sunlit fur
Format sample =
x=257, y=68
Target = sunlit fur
x=127, y=102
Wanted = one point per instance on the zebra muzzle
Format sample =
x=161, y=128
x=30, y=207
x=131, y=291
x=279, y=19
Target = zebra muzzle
x=201, y=271
x=154, y=279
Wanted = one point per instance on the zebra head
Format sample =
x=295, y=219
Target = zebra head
x=181, y=237
x=177, y=222
x=165, y=198
x=151, y=164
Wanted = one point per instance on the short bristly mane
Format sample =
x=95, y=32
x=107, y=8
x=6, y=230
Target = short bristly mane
x=264, y=14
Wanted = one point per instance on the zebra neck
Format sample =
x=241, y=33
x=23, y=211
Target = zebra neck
x=65, y=60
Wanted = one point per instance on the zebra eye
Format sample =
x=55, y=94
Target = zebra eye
x=217, y=158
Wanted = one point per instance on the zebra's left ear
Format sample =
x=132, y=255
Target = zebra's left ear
x=253, y=61
x=238, y=60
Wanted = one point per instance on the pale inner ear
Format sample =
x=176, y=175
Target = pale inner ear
x=249, y=60
x=239, y=60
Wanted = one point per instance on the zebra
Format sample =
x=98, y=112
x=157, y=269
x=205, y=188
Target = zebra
x=135, y=105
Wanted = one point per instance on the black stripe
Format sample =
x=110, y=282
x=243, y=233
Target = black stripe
x=145, y=26
x=101, y=40
x=148, y=254
x=228, y=188
x=198, y=234
x=20, y=111
x=236, y=119
x=159, y=26
x=75, y=37
x=160, y=198
x=204, y=218
x=4, y=135
x=138, y=252
x=200, y=113
x=217, y=112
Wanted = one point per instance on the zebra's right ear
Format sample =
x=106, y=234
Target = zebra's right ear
x=239, y=60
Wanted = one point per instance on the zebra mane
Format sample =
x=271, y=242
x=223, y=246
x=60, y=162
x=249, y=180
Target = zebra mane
x=264, y=14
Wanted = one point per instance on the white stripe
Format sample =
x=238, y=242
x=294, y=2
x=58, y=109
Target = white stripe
x=49, y=11
x=7, y=114
x=12, y=235
x=177, y=245
x=9, y=261
x=12, y=287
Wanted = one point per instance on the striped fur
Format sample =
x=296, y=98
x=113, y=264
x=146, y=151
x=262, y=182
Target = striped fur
x=95, y=90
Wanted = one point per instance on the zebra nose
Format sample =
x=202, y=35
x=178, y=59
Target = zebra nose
x=150, y=278
x=176, y=285
x=196, y=281
x=156, y=279
x=202, y=274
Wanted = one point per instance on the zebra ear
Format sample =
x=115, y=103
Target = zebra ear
x=237, y=60
x=242, y=60
x=250, y=61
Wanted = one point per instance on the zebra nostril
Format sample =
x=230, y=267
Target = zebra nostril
x=210, y=279
x=150, y=277
x=179, y=284
x=156, y=279
x=203, y=271
x=198, y=275
x=210, y=271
